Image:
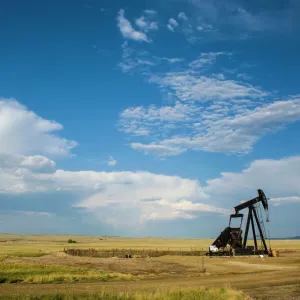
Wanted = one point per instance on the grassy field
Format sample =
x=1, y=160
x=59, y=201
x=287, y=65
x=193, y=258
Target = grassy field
x=37, y=245
x=37, y=267
x=199, y=294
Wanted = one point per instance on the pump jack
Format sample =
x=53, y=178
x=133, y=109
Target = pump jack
x=232, y=236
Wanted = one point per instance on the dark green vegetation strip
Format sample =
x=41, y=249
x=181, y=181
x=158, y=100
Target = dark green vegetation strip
x=133, y=252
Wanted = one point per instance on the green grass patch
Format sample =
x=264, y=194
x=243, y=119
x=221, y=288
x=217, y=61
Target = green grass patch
x=38, y=273
x=199, y=294
x=27, y=254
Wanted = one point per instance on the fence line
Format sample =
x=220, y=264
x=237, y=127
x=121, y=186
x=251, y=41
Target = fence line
x=131, y=252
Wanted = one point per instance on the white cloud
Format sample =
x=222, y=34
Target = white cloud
x=182, y=16
x=24, y=132
x=208, y=113
x=188, y=86
x=278, y=179
x=172, y=24
x=141, y=22
x=131, y=198
x=116, y=197
x=206, y=59
x=170, y=27
x=192, y=85
x=234, y=128
x=284, y=200
x=236, y=17
x=111, y=162
x=150, y=11
x=145, y=24
x=158, y=149
x=128, y=31
x=243, y=76
x=172, y=60
x=133, y=60
x=219, y=76
x=205, y=28
x=35, y=162
x=142, y=120
x=35, y=213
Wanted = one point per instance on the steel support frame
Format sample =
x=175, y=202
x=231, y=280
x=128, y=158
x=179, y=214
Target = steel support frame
x=250, y=219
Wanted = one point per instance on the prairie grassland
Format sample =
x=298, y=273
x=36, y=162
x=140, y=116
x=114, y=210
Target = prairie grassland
x=38, y=245
x=199, y=294
x=38, y=273
x=11, y=244
x=35, y=264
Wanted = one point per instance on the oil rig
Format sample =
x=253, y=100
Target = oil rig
x=231, y=242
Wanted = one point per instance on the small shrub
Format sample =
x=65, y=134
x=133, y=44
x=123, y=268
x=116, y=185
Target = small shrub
x=70, y=241
x=3, y=279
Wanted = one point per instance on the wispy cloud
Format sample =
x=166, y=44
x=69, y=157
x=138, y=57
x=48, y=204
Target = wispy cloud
x=146, y=22
x=223, y=128
x=128, y=31
x=243, y=76
x=284, y=200
x=172, y=60
x=210, y=113
x=182, y=16
x=240, y=17
x=142, y=120
x=141, y=61
x=188, y=86
x=111, y=161
x=150, y=11
x=146, y=25
x=206, y=60
x=133, y=60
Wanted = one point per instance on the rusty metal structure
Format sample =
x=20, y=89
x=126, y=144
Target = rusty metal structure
x=231, y=240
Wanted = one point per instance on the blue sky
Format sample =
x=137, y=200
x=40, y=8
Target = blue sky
x=142, y=118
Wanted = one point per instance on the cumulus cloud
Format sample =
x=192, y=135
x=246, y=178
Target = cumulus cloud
x=131, y=198
x=34, y=162
x=128, y=31
x=278, y=178
x=24, y=132
x=111, y=161
x=119, y=194
x=172, y=24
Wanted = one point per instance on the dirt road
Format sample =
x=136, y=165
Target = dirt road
x=263, y=285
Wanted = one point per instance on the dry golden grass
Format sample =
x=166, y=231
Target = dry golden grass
x=159, y=294
x=36, y=245
x=39, y=273
x=44, y=252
